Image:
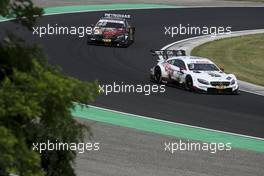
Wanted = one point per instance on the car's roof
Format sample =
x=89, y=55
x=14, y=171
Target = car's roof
x=113, y=18
x=192, y=59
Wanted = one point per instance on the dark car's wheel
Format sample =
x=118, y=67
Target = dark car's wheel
x=132, y=35
x=89, y=41
x=123, y=44
x=189, y=83
x=157, y=75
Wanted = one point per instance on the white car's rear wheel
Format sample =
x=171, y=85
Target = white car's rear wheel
x=157, y=75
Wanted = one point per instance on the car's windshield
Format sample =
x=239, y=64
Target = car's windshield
x=105, y=24
x=202, y=67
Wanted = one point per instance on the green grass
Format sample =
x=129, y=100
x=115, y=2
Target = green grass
x=243, y=56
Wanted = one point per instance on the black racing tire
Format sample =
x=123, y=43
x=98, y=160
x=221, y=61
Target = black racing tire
x=236, y=92
x=189, y=83
x=124, y=45
x=157, y=75
x=131, y=35
x=89, y=42
x=132, y=40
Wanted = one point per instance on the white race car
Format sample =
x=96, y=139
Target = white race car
x=194, y=73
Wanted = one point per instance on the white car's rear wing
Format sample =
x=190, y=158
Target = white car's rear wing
x=166, y=54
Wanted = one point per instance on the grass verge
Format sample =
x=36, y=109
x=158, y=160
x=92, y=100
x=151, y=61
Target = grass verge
x=243, y=56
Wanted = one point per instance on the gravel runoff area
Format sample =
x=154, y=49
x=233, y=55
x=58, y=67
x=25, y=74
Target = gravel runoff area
x=129, y=152
x=205, y=3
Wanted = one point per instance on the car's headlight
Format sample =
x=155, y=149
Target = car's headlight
x=202, y=81
x=229, y=78
x=233, y=82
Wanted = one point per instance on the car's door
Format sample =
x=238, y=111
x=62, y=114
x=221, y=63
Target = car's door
x=171, y=68
x=179, y=69
x=183, y=71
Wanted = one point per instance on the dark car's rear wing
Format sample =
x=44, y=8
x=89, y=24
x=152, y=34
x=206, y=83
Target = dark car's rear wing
x=166, y=54
x=112, y=15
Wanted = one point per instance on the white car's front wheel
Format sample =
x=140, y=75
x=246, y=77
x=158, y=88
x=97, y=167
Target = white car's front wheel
x=188, y=83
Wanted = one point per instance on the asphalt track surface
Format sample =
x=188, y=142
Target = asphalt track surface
x=243, y=114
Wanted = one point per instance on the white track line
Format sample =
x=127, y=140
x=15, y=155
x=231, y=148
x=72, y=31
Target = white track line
x=182, y=124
